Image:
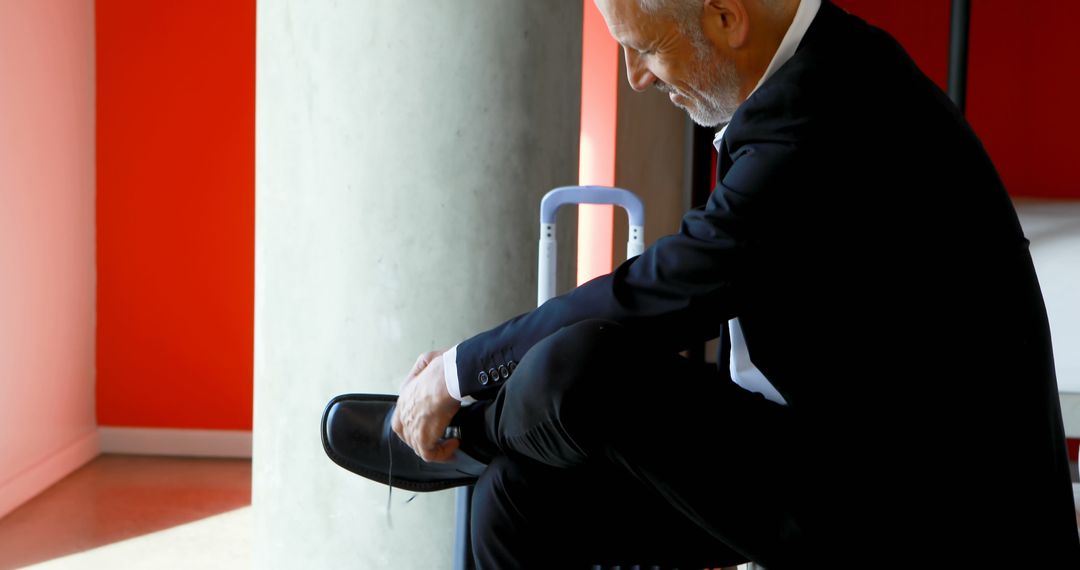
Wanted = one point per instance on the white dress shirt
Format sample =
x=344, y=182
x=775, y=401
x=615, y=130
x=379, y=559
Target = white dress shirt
x=743, y=371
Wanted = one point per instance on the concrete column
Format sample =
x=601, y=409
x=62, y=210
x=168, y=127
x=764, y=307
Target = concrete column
x=401, y=152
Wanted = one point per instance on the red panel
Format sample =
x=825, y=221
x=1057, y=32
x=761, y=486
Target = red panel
x=921, y=26
x=1021, y=80
x=175, y=213
x=1022, y=90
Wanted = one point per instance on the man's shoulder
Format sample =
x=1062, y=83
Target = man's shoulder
x=844, y=71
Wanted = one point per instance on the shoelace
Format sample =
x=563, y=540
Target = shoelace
x=390, y=487
x=452, y=432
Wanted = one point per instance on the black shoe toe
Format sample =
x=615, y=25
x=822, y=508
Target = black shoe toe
x=357, y=435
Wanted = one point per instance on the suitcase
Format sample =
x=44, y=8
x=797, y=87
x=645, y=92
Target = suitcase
x=545, y=289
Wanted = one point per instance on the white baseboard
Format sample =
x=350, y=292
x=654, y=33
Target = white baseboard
x=29, y=483
x=181, y=442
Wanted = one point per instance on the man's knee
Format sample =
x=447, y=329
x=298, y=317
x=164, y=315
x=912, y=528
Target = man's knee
x=556, y=405
x=578, y=355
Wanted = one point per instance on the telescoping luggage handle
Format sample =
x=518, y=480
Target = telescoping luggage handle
x=550, y=204
x=553, y=200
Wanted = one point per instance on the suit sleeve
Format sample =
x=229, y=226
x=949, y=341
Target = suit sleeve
x=679, y=291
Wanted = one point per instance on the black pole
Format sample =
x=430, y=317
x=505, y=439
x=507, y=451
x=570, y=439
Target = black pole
x=958, y=52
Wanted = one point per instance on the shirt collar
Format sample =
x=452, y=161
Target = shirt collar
x=799, y=24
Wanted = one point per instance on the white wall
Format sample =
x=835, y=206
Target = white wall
x=1053, y=227
x=47, y=277
x=401, y=152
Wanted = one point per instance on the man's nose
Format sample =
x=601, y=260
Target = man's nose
x=637, y=74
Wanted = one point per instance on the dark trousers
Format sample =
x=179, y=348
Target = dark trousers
x=604, y=450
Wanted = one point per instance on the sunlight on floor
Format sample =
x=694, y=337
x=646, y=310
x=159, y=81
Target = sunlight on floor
x=221, y=541
x=138, y=506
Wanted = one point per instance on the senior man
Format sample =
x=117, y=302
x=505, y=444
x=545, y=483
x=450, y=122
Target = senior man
x=886, y=393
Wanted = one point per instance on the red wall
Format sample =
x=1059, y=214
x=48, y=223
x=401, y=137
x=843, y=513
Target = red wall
x=175, y=212
x=1021, y=83
x=596, y=164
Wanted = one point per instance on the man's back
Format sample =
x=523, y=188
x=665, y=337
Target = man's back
x=889, y=295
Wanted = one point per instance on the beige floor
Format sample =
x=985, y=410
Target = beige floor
x=123, y=511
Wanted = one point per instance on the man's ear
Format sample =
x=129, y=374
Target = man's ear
x=725, y=23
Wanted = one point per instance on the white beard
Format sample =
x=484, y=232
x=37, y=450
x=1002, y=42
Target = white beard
x=716, y=83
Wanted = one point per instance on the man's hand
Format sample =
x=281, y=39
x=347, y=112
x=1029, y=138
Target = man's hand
x=424, y=409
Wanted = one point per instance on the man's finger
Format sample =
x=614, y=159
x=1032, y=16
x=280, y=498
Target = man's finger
x=430, y=443
x=396, y=425
x=419, y=365
x=441, y=452
x=422, y=362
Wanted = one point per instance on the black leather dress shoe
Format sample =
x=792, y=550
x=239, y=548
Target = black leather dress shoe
x=357, y=435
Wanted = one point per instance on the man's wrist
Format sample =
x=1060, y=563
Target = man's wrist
x=450, y=376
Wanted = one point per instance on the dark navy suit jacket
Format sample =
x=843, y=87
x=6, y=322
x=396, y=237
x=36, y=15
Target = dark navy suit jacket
x=862, y=235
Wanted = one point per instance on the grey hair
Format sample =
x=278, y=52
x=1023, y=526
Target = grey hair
x=678, y=10
x=687, y=15
x=681, y=10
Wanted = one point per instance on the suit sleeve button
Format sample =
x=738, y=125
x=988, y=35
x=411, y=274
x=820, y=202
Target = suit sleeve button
x=504, y=372
x=511, y=366
x=483, y=378
x=494, y=375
